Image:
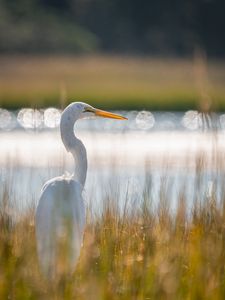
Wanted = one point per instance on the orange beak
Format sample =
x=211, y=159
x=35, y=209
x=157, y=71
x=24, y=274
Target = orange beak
x=106, y=114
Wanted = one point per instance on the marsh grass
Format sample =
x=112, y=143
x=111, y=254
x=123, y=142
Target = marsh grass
x=110, y=82
x=142, y=248
x=142, y=252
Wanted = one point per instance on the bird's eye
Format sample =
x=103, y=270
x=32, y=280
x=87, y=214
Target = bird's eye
x=87, y=109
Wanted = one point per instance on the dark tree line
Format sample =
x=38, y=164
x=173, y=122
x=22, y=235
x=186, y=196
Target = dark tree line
x=126, y=26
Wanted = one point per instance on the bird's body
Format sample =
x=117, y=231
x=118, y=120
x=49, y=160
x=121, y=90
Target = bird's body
x=60, y=214
x=60, y=221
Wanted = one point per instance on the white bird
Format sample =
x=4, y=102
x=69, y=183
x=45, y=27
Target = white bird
x=60, y=214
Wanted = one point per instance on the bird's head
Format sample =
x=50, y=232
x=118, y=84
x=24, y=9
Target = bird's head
x=83, y=110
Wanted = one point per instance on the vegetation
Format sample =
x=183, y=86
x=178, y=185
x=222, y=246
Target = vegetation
x=112, y=82
x=77, y=26
x=146, y=252
x=142, y=251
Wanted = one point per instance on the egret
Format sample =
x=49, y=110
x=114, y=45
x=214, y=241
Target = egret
x=60, y=214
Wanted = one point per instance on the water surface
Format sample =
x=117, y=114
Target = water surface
x=151, y=150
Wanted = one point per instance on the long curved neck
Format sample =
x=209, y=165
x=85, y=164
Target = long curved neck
x=75, y=147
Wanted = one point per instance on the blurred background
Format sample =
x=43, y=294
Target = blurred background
x=154, y=192
x=159, y=63
x=130, y=27
x=156, y=55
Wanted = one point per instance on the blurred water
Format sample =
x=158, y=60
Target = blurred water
x=28, y=118
x=153, y=150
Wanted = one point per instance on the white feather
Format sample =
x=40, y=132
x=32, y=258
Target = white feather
x=60, y=214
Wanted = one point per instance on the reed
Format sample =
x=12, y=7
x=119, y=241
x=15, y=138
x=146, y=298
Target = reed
x=146, y=251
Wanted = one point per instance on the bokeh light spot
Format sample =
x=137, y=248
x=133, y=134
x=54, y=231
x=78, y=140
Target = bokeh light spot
x=52, y=117
x=6, y=119
x=145, y=120
x=192, y=120
x=30, y=118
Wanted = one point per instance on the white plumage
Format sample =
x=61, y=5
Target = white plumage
x=60, y=214
x=60, y=220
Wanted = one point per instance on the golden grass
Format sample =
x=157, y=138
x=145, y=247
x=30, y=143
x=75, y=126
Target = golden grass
x=122, y=82
x=142, y=253
x=145, y=253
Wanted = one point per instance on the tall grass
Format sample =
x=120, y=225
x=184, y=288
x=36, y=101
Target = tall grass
x=146, y=252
